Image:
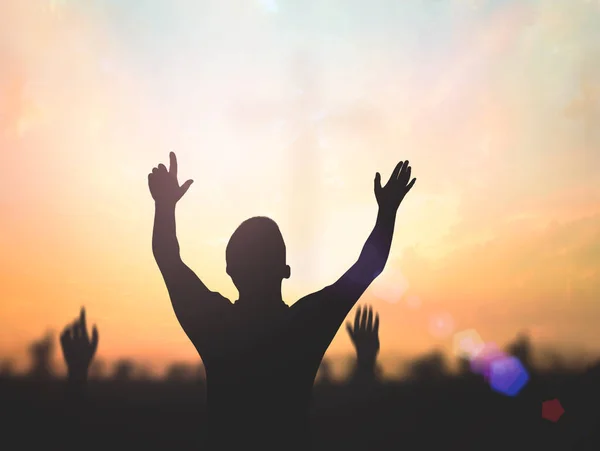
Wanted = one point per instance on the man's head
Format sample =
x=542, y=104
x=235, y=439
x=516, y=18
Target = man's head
x=255, y=257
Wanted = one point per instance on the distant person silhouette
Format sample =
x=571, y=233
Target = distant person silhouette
x=124, y=370
x=261, y=355
x=521, y=348
x=431, y=367
x=79, y=349
x=179, y=372
x=41, y=358
x=365, y=338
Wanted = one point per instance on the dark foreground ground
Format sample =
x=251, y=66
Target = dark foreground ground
x=444, y=413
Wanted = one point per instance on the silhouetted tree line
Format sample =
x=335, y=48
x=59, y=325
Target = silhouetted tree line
x=432, y=366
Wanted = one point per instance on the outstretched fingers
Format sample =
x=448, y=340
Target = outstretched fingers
x=376, y=324
x=76, y=327
x=396, y=172
x=364, y=319
x=65, y=336
x=401, y=177
x=349, y=329
x=369, y=325
x=94, y=341
x=404, y=177
x=172, y=164
x=83, y=325
x=405, y=174
x=357, y=317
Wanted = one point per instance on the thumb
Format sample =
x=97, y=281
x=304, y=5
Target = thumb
x=186, y=186
x=377, y=182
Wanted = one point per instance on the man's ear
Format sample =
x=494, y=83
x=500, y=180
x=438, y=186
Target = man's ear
x=287, y=272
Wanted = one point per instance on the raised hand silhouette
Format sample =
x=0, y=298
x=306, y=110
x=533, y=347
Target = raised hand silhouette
x=78, y=348
x=365, y=338
x=41, y=355
x=163, y=183
x=391, y=195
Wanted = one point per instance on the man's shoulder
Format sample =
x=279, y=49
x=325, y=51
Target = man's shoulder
x=211, y=319
x=314, y=298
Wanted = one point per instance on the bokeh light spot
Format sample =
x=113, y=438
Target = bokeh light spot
x=552, y=410
x=390, y=286
x=508, y=376
x=482, y=361
x=467, y=344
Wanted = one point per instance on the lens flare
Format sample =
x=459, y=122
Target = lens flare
x=552, y=410
x=390, y=286
x=508, y=376
x=482, y=361
x=467, y=344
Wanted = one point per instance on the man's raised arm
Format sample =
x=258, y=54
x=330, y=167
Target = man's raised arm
x=189, y=296
x=376, y=249
x=339, y=298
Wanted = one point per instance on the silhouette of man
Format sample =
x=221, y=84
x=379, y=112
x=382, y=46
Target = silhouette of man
x=261, y=355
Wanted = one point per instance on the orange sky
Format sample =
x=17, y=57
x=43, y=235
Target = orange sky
x=495, y=106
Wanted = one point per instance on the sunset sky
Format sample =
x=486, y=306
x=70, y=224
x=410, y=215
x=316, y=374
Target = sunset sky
x=287, y=108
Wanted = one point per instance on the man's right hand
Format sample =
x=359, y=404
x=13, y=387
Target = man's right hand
x=163, y=184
